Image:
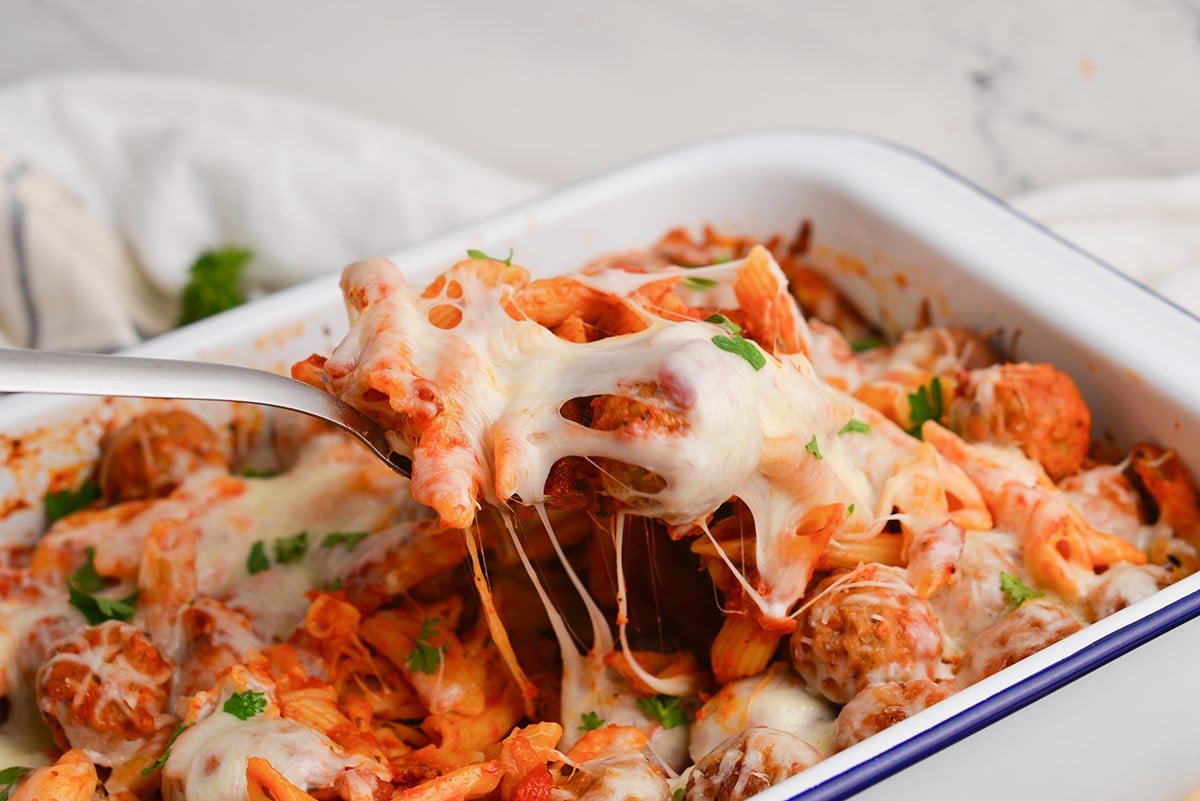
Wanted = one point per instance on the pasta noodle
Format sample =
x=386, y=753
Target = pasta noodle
x=668, y=535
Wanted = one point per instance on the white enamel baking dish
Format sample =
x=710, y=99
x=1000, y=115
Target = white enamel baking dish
x=1109, y=713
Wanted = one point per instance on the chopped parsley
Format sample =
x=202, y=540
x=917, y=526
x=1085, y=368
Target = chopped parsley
x=254, y=472
x=244, y=706
x=257, y=561
x=82, y=587
x=698, y=283
x=214, y=283
x=925, y=404
x=741, y=347
x=425, y=658
x=869, y=342
x=854, y=426
x=289, y=549
x=666, y=709
x=814, y=448
x=1018, y=592
x=479, y=254
x=724, y=322
x=735, y=343
x=9, y=777
x=64, y=502
x=334, y=586
x=678, y=794
x=347, y=538
x=850, y=509
x=166, y=754
x=591, y=721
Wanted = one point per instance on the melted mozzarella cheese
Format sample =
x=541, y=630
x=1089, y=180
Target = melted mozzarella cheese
x=484, y=397
x=208, y=761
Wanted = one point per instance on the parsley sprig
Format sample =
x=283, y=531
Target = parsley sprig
x=699, y=283
x=590, y=721
x=814, y=447
x=290, y=549
x=244, y=706
x=63, y=502
x=426, y=658
x=926, y=403
x=214, y=283
x=347, y=538
x=854, y=426
x=666, y=709
x=1017, y=591
x=82, y=589
x=287, y=550
x=479, y=254
x=9, y=778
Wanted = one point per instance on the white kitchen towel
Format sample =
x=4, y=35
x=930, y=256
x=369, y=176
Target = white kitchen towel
x=112, y=184
x=1149, y=228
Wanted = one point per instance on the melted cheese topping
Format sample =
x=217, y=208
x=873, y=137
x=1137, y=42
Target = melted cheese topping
x=481, y=403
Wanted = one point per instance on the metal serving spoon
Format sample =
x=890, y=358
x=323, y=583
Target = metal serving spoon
x=140, y=377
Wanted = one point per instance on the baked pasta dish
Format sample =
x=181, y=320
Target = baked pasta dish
x=680, y=525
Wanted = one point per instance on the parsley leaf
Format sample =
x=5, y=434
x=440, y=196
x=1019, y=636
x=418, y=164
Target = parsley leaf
x=289, y=549
x=347, y=538
x=257, y=561
x=678, y=795
x=591, y=721
x=735, y=343
x=244, y=706
x=425, y=658
x=813, y=448
x=166, y=754
x=724, y=322
x=698, y=283
x=854, y=426
x=1018, y=592
x=9, y=777
x=81, y=589
x=214, y=283
x=64, y=502
x=741, y=347
x=334, y=586
x=665, y=709
x=869, y=342
x=254, y=472
x=850, y=509
x=925, y=404
x=479, y=254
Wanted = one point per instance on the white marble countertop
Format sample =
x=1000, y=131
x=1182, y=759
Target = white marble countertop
x=1013, y=95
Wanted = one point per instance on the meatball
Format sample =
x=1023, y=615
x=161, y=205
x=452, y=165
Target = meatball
x=1026, y=630
x=863, y=627
x=776, y=699
x=749, y=763
x=106, y=690
x=154, y=453
x=882, y=705
x=1033, y=406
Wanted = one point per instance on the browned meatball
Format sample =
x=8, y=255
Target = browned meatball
x=1033, y=406
x=1023, y=631
x=882, y=705
x=106, y=689
x=749, y=763
x=149, y=456
x=866, y=626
